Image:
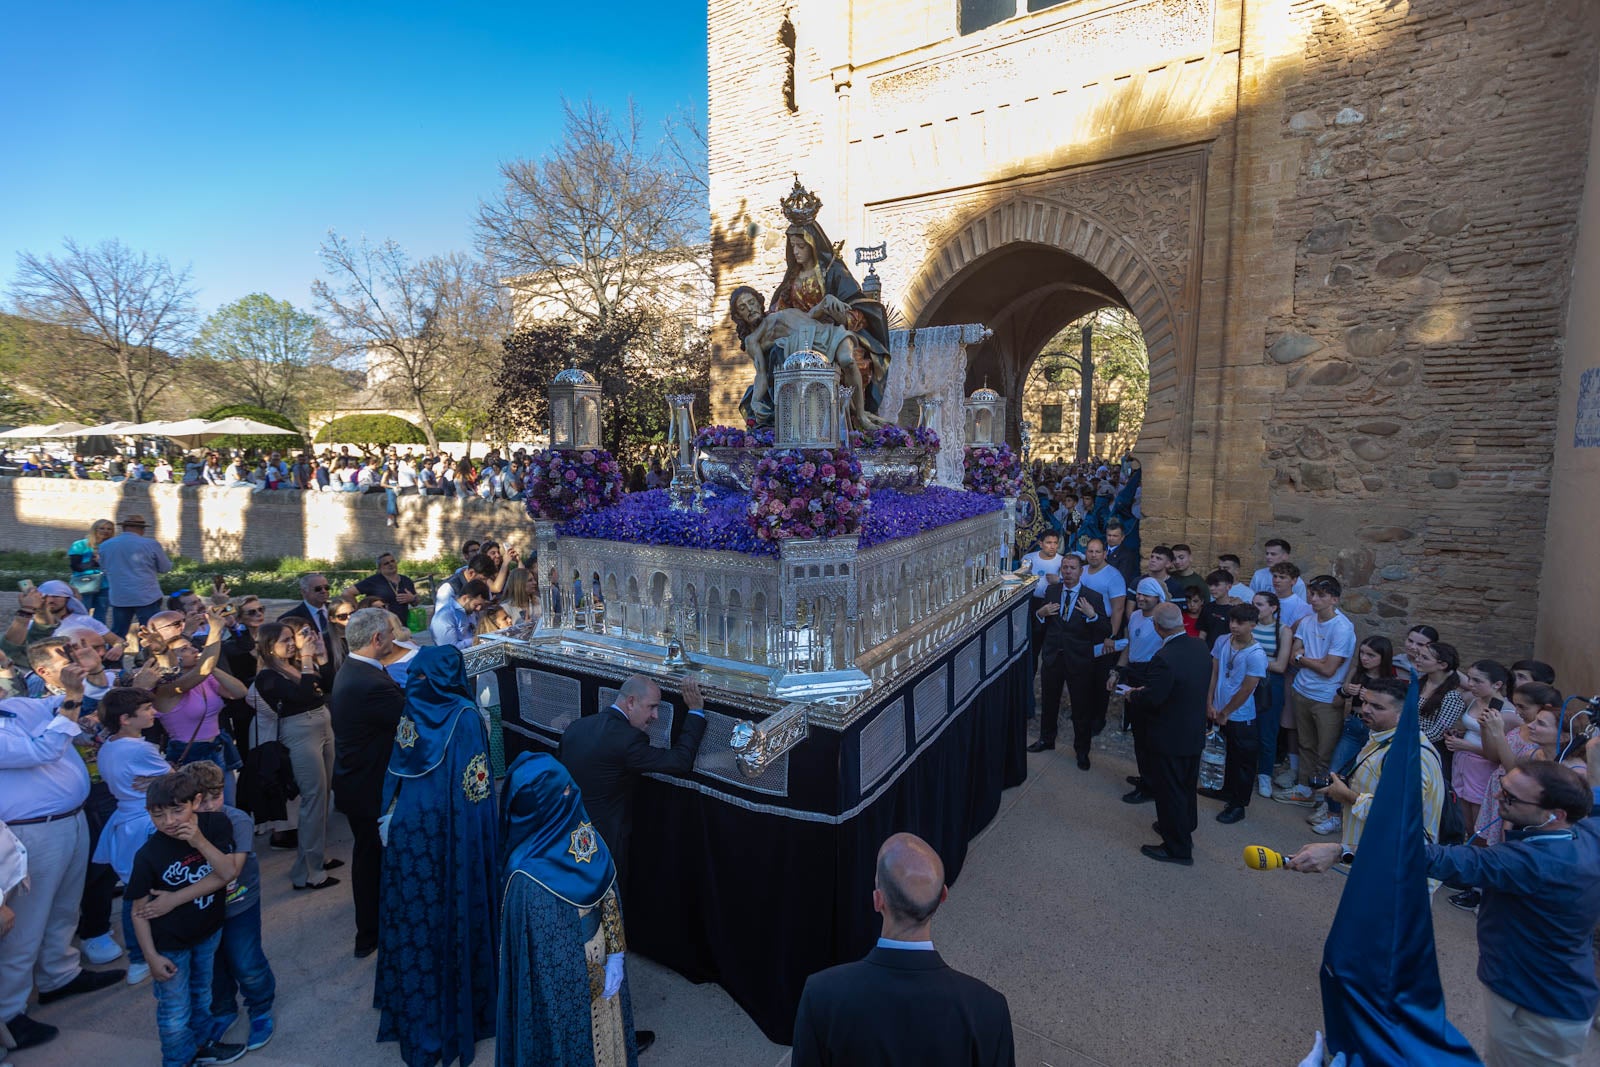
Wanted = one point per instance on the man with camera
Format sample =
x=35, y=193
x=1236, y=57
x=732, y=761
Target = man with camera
x=1379, y=708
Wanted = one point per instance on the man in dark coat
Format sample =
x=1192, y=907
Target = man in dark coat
x=903, y=1005
x=1170, y=707
x=1075, y=623
x=608, y=753
x=365, y=705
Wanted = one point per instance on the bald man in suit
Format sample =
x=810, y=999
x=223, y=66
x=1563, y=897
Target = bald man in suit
x=903, y=1006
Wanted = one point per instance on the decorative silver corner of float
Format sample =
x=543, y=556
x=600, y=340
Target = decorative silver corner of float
x=757, y=744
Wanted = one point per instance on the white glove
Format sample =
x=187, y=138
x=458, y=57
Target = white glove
x=613, y=975
x=383, y=827
x=1318, y=1054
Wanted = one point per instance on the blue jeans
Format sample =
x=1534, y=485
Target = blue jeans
x=98, y=604
x=1350, y=742
x=121, y=617
x=130, y=940
x=183, y=1002
x=1267, y=720
x=242, y=968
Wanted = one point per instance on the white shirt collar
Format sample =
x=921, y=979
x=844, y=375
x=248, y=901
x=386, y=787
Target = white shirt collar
x=368, y=660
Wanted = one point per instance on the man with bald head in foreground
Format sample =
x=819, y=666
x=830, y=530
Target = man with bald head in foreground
x=903, y=1005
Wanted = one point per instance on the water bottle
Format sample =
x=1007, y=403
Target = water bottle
x=1212, y=760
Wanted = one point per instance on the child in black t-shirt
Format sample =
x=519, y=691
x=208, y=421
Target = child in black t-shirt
x=178, y=882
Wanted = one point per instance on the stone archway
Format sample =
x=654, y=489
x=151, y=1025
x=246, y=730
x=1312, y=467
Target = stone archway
x=1015, y=241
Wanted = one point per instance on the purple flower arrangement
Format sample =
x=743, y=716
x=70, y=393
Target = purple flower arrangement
x=565, y=483
x=992, y=471
x=649, y=519
x=895, y=515
x=807, y=492
x=895, y=437
x=733, y=437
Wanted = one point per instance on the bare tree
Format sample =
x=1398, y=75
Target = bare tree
x=260, y=351
x=430, y=330
x=125, y=313
x=600, y=222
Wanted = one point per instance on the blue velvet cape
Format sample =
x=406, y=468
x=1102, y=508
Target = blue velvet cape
x=544, y=980
x=436, y=975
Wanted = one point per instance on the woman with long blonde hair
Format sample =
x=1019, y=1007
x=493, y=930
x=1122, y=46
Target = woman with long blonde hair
x=88, y=580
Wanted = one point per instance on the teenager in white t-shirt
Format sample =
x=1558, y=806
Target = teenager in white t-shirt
x=1238, y=666
x=1277, y=551
x=1324, y=647
x=1046, y=561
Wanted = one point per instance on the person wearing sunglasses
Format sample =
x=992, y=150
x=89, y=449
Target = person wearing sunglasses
x=1536, y=920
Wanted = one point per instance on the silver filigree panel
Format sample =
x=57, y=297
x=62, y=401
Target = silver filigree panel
x=995, y=647
x=717, y=760
x=968, y=670
x=548, y=700
x=883, y=743
x=1020, y=622
x=659, y=732
x=930, y=702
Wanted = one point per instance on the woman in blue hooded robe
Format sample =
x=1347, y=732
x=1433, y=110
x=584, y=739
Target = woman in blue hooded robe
x=436, y=974
x=563, y=997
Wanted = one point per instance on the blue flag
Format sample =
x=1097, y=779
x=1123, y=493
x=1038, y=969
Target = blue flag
x=1381, y=998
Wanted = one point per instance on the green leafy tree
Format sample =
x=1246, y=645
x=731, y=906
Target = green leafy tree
x=1119, y=372
x=260, y=351
x=375, y=431
x=117, y=315
x=258, y=442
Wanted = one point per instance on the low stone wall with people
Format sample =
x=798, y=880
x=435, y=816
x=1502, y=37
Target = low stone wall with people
x=201, y=522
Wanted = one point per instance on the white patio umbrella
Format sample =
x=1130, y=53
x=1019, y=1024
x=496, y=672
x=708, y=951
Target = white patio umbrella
x=30, y=432
x=238, y=425
x=63, y=429
x=115, y=428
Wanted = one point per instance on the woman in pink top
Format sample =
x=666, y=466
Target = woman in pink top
x=190, y=714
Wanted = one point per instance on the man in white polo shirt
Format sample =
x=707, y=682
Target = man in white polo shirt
x=1324, y=648
x=43, y=786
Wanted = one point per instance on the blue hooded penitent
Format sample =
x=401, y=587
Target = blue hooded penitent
x=548, y=836
x=435, y=982
x=1381, y=998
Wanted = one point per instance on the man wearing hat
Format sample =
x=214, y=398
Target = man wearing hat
x=133, y=564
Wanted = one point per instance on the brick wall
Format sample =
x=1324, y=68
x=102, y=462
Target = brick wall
x=1433, y=219
x=42, y=514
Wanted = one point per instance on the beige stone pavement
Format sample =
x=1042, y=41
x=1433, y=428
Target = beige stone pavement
x=1106, y=957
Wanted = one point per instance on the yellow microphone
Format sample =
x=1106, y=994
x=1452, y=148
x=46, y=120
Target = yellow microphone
x=1262, y=858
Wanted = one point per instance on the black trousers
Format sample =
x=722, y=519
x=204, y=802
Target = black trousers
x=1061, y=671
x=1172, y=780
x=1243, y=741
x=1100, y=695
x=236, y=716
x=100, y=883
x=366, y=865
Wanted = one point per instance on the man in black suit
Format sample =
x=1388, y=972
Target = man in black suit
x=1170, y=707
x=903, y=1005
x=1075, y=624
x=365, y=705
x=608, y=753
x=313, y=605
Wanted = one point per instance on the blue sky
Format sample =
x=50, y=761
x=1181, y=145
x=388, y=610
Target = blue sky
x=231, y=137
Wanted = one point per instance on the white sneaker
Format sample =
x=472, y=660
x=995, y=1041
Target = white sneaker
x=102, y=949
x=1319, y=812
x=1264, y=786
x=1331, y=825
x=1300, y=794
x=138, y=973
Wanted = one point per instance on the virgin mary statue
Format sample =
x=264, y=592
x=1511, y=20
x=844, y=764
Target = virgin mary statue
x=563, y=998
x=815, y=275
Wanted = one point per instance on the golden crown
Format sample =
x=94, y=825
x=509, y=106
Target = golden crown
x=801, y=205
